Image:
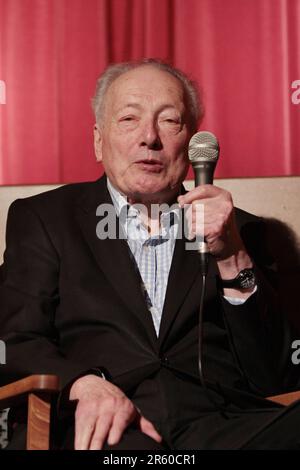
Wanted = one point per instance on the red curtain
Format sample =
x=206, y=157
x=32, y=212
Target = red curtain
x=245, y=54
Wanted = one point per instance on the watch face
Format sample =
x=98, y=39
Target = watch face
x=246, y=279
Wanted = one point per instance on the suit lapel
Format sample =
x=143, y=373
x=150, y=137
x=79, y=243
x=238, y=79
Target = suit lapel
x=113, y=257
x=184, y=272
x=184, y=269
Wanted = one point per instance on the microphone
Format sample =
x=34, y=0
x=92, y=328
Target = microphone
x=203, y=154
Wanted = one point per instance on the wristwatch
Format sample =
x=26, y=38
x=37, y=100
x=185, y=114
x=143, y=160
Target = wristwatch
x=244, y=280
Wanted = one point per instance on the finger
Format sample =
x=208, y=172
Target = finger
x=83, y=432
x=121, y=421
x=148, y=428
x=200, y=192
x=101, y=431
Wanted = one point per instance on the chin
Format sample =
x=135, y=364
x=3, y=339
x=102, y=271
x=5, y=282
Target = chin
x=156, y=192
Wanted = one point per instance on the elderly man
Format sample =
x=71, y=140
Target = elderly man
x=117, y=317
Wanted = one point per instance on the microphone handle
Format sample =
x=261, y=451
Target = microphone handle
x=204, y=174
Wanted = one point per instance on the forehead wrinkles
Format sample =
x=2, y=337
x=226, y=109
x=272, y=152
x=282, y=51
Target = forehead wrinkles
x=128, y=90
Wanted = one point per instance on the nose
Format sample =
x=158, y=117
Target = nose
x=150, y=136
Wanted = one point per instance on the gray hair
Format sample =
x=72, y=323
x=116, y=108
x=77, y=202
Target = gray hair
x=112, y=72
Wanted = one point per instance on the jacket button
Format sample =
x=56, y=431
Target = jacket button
x=164, y=360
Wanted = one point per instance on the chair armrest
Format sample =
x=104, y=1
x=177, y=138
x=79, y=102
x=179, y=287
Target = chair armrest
x=37, y=390
x=286, y=398
x=16, y=392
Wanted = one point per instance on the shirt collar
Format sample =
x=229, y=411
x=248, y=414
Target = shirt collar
x=119, y=200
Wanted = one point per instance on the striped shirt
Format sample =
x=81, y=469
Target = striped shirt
x=152, y=254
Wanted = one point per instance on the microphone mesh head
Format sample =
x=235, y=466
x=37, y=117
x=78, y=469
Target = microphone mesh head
x=204, y=147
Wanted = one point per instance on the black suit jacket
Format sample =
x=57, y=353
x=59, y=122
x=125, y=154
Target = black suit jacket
x=70, y=301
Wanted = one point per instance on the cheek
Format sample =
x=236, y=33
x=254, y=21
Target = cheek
x=116, y=153
x=178, y=156
x=176, y=145
x=121, y=145
x=178, y=170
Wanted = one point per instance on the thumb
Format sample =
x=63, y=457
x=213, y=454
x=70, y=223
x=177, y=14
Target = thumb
x=147, y=428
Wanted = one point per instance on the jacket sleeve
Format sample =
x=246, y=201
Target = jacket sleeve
x=259, y=332
x=29, y=296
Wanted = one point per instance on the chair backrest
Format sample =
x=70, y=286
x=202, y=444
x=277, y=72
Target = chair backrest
x=276, y=198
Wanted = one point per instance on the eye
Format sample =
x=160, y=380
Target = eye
x=127, y=118
x=128, y=122
x=170, y=119
x=172, y=123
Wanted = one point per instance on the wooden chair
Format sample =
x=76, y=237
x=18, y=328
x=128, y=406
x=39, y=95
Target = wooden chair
x=38, y=390
x=286, y=398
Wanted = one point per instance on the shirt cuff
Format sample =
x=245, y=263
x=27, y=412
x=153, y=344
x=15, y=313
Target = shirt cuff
x=238, y=301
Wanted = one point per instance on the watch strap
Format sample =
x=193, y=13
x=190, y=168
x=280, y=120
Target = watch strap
x=245, y=279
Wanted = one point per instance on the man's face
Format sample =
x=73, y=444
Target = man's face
x=143, y=137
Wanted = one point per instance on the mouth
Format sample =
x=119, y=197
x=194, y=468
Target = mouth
x=151, y=164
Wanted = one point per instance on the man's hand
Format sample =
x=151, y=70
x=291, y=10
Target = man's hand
x=219, y=229
x=103, y=412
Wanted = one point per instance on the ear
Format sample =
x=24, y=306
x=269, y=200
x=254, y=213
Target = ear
x=98, y=143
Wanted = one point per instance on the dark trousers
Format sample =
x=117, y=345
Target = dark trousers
x=188, y=419
x=264, y=430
